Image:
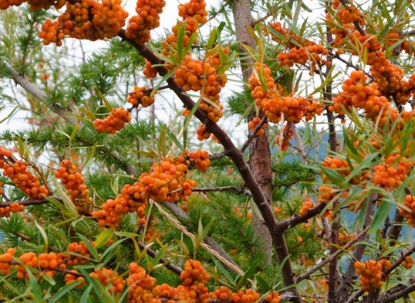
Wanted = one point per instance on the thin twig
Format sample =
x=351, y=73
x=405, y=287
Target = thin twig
x=253, y=134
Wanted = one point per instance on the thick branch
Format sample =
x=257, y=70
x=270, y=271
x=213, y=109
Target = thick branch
x=290, y=223
x=30, y=202
x=238, y=190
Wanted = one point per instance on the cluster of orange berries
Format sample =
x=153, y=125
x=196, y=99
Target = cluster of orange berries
x=360, y=95
x=202, y=132
x=194, y=273
x=409, y=202
x=253, y=124
x=248, y=296
x=34, y=5
x=87, y=19
x=271, y=101
x=44, y=262
x=107, y=276
x=149, y=71
x=408, y=262
x=287, y=135
x=148, y=18
x=273, y=297
x=5, y=260
x=165, y=182
x=80, y=253
x=326, y=194
x=141, y=285
x=222, y=293
x=140, y=95
x=314, y=108
x=74, y=182
x=370, y=273
x=114, y=122
x=197, y=75
x=308, y=203
x=22, y=178
x=307, y=52
x=15, y=207
x=391, y=174
x=345, y=238
x=201, y=158
x=71, y=278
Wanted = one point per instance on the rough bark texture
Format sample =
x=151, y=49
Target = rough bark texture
x=259, y=153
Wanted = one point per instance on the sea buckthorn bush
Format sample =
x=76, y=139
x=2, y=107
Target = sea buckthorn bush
x=111, y=191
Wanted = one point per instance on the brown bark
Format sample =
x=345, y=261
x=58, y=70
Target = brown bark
x=259, y=153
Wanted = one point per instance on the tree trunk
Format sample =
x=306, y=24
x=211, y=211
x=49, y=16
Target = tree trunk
x=259, y=153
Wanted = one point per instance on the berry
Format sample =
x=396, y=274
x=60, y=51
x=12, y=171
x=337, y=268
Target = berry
x=114, y=122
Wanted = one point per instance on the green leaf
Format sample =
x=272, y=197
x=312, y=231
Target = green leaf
x=35, y=286
x=164, y=79
x=252, y=270
x=223, y=271
x=112, y=247
x=9, y=115
x=107, y=104
x=334, y=176
x=90, y=247
x=212, y=38
x=159, y=255
x=88, y=114
x=173, y=138
x=103, y=238
x=43, y=234
x=380, y=216
x=74, y=131
x=181, y=28
x=161, y=142
x=90, y=154
x=85, y=295
x=70, y=206
x=367, y=162
x=64, y=290
x=190, y=43
x=183, y=246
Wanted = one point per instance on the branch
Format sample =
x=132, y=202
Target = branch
x=290, y=223
x=346, y=285
x=253, y=134
x=165, y=262
x=238, y=190
x=31, y=202
x=232, y=151
x=355, y=296
x=316, y=267
x=397, y=292
x=299, y=142
x=179, y=213
x=398, y=261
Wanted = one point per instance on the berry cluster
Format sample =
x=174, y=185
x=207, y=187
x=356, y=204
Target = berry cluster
x=22, y=178
x=79, y=253
x=223, y=293
x=287, y=135
x=197, y=75
x=165, y=182
x=248, y=296
x=69, y=278
x=408, y=263
x=46, y=263
x=314, y=108
x=391, y=174
x=202, y=132
x=326, y=194
x=86, y=19
x=147, y=18
x=345, y=237
x=253, y=124
x=34, y=5
x=409, y=202
x=149, y=71
x=140, y=95
x=201, y=158
x=107, y=276
x=272, y=101
x=15, y=207
x=74, y=182
x=308, y=203
x=114, y=122
x=5, y=260
x=141, y=285
x=273, y=297
x=370, y=273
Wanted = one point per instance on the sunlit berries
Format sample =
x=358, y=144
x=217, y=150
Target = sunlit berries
x=114, y=122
